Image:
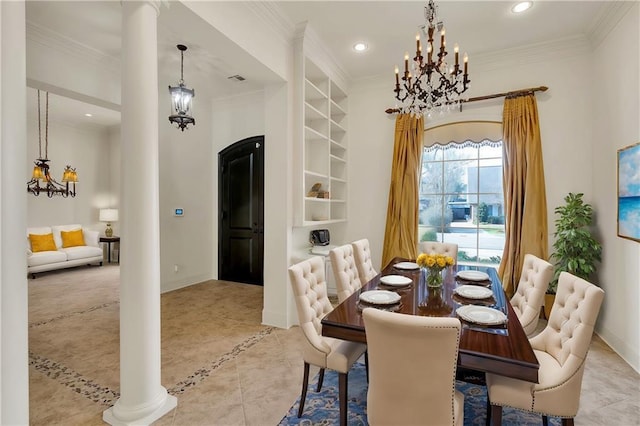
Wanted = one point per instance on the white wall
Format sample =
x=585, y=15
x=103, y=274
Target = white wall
x=615, y=126
x=83, y=148
x=187, y=180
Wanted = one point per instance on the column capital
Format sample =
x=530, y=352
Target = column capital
x=156, y=4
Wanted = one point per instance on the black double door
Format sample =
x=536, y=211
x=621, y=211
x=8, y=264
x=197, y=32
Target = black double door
x=241, y=211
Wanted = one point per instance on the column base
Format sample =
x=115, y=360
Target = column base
x=170, y=403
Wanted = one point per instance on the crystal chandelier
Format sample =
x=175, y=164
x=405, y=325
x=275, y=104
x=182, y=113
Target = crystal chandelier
x=181, y=97
x=41, y=170
x=432, y=84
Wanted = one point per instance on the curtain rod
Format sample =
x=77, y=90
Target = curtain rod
x=485, y=97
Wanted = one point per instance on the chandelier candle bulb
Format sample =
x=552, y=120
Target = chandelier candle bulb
x=465, y=58
x=397, y=80
x=455, y=50
x=406, y=64
x=418, y=48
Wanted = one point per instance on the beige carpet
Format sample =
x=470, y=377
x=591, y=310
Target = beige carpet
x=224, y=367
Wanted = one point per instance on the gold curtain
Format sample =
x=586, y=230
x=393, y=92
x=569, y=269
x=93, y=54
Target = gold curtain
x=401, y=230
x=524, y=188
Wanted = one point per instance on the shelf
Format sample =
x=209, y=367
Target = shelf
x=312, y=113
x=311, y=135
x=336, y=158
x=322, y=150
x=315, y=174
x=313, y=92
x=322, y=222
x=318, y=200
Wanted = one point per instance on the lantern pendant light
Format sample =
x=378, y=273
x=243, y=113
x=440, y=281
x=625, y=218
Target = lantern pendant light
x=181, y=98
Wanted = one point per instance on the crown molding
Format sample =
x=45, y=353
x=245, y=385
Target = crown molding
x=558, y=49
x=271, y=15
x=60, y=43
x=609, y=16
x=316, y=49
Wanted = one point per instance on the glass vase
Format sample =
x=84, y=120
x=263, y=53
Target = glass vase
x=433, y=278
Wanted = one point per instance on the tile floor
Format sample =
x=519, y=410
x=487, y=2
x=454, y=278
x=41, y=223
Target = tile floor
x=224, y=366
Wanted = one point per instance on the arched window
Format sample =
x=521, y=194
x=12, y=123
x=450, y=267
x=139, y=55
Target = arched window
x=461, y=194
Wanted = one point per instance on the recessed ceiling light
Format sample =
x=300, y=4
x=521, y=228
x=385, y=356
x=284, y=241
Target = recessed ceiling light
x=88, y=115
x=522, y=6
x=360, y=47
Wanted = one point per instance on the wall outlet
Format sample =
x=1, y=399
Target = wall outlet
x=176, y=268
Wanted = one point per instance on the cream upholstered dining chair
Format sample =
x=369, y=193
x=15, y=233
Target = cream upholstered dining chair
x=561, y=349
x=345, y=271
x=529, y=296
x=412, y=369
x=362, y=254
x=310, y=294
x=434, y=247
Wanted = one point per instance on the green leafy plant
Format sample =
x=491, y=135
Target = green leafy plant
x=575, y=250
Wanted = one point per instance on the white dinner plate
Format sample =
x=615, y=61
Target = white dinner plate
x=380, y=297
x=481, y=315
x=406, y=265
x=396, y=280
x=473, y=275
x=473, y=292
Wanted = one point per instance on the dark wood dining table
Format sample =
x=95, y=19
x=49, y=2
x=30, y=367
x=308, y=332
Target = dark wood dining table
x=499, y=349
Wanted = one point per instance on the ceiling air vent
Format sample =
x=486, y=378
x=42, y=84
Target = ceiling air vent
x=237, y=77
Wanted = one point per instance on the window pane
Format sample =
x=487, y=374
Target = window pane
x=455, y=177
x=462, y=201
x=488, y=151
x=431, y=181
x=456, y=152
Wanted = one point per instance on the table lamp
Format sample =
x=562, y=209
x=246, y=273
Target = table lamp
x=108, y=215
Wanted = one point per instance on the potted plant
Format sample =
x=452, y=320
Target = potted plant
x=575, y=250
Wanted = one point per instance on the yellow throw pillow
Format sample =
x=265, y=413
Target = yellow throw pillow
x=42, y=242
x=72, y=238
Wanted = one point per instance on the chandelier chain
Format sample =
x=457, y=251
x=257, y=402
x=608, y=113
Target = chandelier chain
x=39, y=129
x=182, y=67
x=46, y=128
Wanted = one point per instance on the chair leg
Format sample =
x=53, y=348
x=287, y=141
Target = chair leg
x=488, y=421
x=496, y=415
x=305, y=383
x=545, y=421
x=342, y=392
x=567, y=422
x=320, y=380
x=366, y=364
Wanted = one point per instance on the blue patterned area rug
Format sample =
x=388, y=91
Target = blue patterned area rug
x=322, y=408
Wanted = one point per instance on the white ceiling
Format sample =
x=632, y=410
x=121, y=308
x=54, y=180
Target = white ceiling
x=389, y=28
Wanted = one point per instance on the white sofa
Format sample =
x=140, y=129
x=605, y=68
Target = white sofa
x=42, y=261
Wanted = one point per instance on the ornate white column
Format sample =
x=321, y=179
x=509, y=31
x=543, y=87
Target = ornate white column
x=14, y=361
x=142, y=398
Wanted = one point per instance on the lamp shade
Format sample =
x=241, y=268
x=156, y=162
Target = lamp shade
x=108, y=215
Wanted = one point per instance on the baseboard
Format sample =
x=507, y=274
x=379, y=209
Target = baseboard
x=622, y=348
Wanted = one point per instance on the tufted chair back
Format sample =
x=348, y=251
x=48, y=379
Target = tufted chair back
x=345, y=271
x=362, y=254
x=529, y=296
x=310, y=294
x=434, y=247
x=572, y=320
x=561, y=350
x=412, y=369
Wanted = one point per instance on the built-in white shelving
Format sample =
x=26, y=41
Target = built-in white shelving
x=322, y=150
